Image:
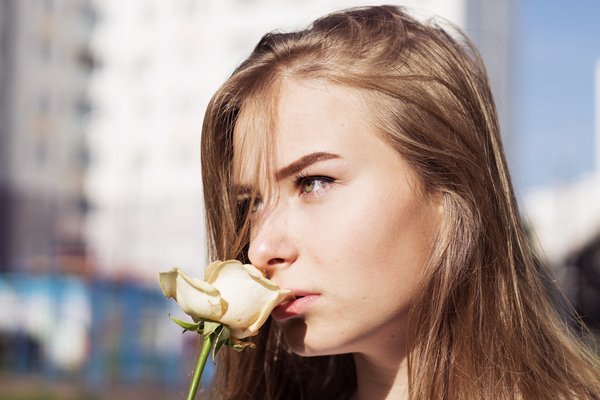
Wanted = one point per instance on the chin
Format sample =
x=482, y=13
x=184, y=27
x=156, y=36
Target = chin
x=294, y=331
x=302, y=343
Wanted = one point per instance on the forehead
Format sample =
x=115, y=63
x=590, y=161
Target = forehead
x=297, y=119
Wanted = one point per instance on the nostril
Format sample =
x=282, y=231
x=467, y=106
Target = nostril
x=274, y=261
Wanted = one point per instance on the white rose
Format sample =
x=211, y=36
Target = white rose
x=234, y=294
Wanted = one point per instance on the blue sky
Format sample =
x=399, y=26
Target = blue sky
x=556, y=46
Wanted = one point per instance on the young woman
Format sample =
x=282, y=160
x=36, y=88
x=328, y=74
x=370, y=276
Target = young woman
x=359, y=163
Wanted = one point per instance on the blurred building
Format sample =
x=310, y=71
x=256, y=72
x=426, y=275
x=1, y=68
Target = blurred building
x=597, y=114
x=491, y=26
x=148, y=95
x=160, y=63
x=565, y=217
x=44, y=71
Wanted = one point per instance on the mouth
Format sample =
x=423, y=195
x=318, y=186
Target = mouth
x=294, y=308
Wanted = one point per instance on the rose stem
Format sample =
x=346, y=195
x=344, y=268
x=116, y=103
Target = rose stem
x=208, y=341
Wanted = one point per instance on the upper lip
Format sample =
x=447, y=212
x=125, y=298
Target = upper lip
x=302, y=293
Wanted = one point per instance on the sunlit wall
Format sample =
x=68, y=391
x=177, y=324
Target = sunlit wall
x=158, y=64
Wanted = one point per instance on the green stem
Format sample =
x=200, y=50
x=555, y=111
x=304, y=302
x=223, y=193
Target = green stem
x=208, y=341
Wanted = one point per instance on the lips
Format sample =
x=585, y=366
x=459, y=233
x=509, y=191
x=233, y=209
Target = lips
x=296, y=307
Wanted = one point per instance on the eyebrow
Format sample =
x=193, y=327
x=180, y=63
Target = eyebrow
x=292, y=169
x=303, y=163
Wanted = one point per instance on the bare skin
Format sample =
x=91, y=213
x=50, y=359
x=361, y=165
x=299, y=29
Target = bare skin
x=380, y=378
x=350, y=233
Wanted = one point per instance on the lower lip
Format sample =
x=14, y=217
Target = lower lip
x=293, y=308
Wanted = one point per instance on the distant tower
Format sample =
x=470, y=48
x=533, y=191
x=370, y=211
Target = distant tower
x=44, y=67
x=490, y=25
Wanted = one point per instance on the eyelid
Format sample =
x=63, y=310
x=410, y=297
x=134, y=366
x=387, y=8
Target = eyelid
x=247, y=195
x=242, y=197
x=303, y=176
x=247, y=198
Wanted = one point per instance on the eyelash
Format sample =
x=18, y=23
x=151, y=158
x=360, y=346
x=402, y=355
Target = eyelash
x=299, y=181
x=301, y=178
x=245, y=202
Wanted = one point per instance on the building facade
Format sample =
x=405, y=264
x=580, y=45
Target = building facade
x=160, y=63
x=44, y=69
x=565, y=216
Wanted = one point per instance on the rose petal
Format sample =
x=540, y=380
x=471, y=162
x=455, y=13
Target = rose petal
x=210, y=270
x=196, y=298
x=234, y=294
x=253, y=270
x=284, y=296
x=250, y=296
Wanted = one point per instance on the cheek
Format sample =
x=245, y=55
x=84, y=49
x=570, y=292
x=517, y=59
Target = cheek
x=389, y=235
x=336, y=229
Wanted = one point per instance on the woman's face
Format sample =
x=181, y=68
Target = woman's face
x=351, y=229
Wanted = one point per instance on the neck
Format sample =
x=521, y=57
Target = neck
x=381, y=376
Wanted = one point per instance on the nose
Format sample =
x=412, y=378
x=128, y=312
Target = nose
x=272, y=246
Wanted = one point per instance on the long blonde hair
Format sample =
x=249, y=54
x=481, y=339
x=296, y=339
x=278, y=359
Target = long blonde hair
x=483, y=327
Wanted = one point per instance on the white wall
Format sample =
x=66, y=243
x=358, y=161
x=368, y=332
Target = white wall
x=161, y=62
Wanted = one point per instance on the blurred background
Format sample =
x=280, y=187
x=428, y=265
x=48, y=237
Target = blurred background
x=101, y=106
